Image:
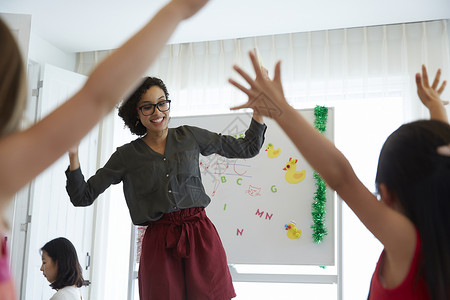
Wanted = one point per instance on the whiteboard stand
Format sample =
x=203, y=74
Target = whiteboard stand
x=282, y=278
x=303, y=278
x=339, y=246
x=132, y=272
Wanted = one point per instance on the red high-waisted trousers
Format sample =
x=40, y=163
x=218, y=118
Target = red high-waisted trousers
x=182, y=258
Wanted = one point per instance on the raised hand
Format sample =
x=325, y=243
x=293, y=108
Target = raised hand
x=431, y=95
x=265, y=96
x=426, y=92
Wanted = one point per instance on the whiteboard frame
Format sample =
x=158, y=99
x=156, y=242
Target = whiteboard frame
x=264, y=195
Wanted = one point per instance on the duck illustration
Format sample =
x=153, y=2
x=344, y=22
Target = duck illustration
x=292, y=231
x=292, y=175
x=272, y=153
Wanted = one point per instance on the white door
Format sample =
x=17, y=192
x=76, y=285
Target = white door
x=52, y=213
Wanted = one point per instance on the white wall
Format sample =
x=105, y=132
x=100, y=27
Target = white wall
x=43, y=53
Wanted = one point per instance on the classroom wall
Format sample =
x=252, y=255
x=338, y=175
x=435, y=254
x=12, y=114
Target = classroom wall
x=43, y=53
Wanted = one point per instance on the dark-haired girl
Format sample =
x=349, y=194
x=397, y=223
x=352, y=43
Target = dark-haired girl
x=412, y=217
x=26, y=153
x=61, y=268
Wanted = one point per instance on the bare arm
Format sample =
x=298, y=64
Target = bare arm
x=267, y=97
x=25, y=154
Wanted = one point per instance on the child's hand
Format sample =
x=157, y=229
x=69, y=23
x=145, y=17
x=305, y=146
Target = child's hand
x=265, y=73
x=190, y=7
x=265, y=96
x=430, y=95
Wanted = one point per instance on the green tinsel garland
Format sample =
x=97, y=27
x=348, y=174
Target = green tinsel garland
x=320, y=196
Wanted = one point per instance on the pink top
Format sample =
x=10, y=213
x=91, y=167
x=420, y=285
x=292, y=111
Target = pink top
x=410, y=289
x=7, y=291
x=4, y=266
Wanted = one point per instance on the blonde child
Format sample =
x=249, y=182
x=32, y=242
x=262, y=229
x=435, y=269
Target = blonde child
x=24, y=154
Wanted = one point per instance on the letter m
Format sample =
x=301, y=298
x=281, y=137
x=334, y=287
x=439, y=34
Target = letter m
x=260, y=213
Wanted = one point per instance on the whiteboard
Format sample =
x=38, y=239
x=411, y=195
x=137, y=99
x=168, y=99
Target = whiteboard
x=252, y=201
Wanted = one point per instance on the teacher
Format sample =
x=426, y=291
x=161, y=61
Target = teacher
x=182, y=256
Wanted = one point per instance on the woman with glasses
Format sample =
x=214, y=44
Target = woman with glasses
x=182, y=256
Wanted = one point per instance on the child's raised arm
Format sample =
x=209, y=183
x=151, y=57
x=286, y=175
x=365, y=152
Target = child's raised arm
x=266, y=96
x=25, y=154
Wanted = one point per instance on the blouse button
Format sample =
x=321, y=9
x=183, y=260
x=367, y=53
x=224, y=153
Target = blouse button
x=164, y=159
x=167, y=175
x=174, y=207
x=170, y=191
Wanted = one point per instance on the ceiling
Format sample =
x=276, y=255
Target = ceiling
x=87, y=25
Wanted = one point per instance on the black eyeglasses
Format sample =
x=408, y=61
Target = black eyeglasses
x=149, y=109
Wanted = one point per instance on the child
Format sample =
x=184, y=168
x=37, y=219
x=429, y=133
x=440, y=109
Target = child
x=23, y=155
x=412, y=219
x=62, y=269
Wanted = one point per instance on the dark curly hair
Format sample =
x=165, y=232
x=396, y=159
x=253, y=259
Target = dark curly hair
x=127, y=110
x=62, y=252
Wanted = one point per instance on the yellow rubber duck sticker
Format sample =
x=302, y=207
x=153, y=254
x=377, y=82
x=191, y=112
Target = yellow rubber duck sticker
x=292, y=175
x=271, y=152
x=292, y=231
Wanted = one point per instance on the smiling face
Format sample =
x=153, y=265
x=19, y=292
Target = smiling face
x=49, y=267
x=158, y=121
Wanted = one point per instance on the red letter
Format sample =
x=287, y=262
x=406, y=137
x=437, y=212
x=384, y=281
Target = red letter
x=259, y=213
